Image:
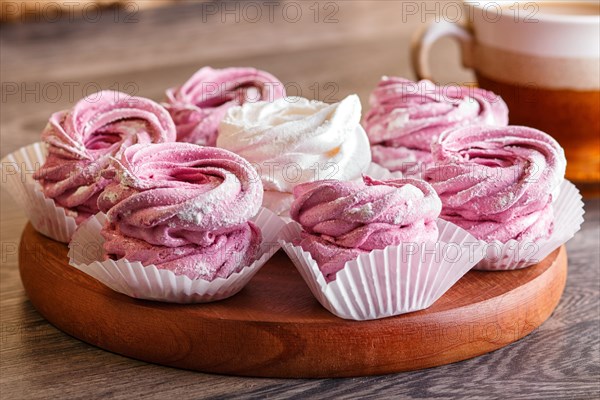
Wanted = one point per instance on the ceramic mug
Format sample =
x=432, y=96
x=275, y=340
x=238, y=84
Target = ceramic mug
x=543, y=58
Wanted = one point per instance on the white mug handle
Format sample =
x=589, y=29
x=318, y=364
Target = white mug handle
x=424, y=39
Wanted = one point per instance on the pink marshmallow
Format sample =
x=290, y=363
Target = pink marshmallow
x=344, y=219
x=498, y=182
x=199, y=105
x=82, y=140
x=184, y=208
x=406, y=116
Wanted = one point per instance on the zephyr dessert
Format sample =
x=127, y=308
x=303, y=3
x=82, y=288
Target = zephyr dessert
x=82, y=140
x=341, y=220
x=79, y=144
x=181, y=208
x=295, y=140
x=406, y=116
x=372, y=249
x=501, y=184
x=199, y=105
x=498, y=183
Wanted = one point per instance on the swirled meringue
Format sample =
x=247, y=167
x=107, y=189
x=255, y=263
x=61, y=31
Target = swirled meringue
x=498, y=182
x=294, y=140
x=405, y=117
x=82, y=140
x=340, y=220
x=184, y=208
x=198, y=106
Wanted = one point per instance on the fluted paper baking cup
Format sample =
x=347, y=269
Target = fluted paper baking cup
x=44, y=214
x=151, y=283
x=568, y=217
x=392, y=281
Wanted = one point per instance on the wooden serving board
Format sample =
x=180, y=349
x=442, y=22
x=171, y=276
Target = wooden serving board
x=275, y=328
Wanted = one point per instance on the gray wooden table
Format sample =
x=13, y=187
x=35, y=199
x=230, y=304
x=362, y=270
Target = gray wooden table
x=342, y=49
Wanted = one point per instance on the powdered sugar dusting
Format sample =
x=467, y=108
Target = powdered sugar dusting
x=364, y=211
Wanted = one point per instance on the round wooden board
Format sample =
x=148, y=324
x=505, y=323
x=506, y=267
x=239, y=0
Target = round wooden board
x=275, y=328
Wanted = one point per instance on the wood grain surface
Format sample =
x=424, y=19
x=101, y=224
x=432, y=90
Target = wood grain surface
x=559, y=360
x=275, y=327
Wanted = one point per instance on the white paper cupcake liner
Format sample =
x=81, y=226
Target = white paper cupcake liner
x=568, y=217
x=151, y=283
x=392, y=281
x=17, y=178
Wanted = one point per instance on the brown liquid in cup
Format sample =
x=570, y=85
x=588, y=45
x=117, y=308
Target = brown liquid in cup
x=571, y=117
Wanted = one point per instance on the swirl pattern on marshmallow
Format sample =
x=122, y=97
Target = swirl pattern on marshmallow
x=198, y=106
x=184, y=208
x=341, y=220
x=82, y=140
x=498, y=182
x=295, y=140
x=406, y=116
